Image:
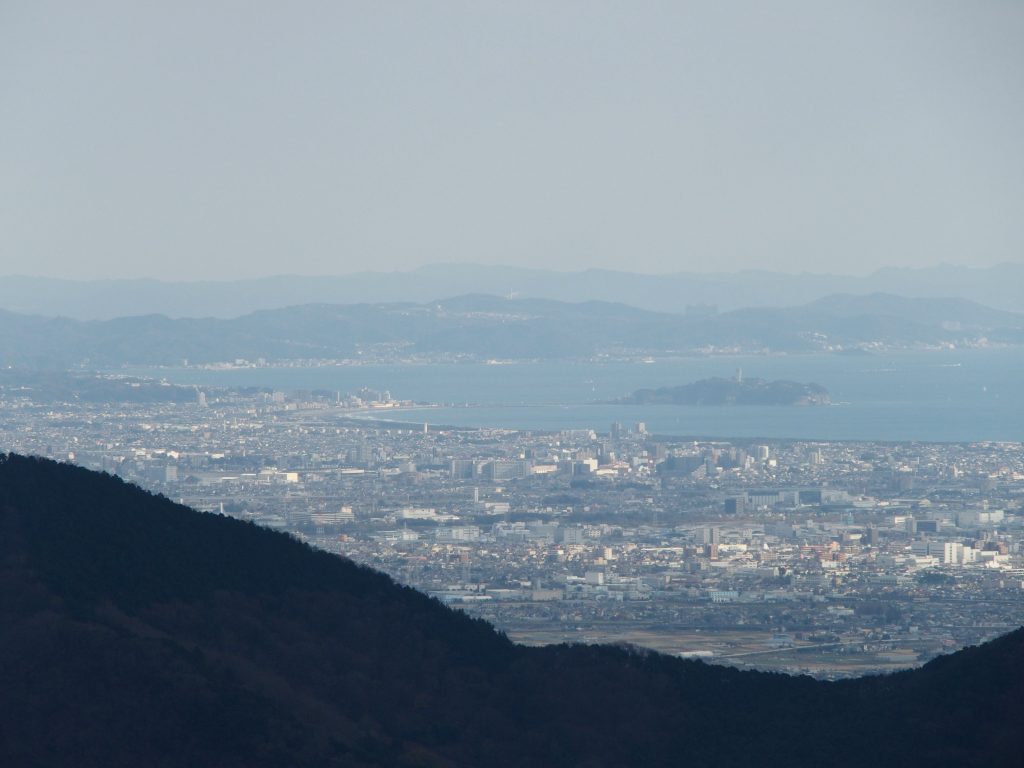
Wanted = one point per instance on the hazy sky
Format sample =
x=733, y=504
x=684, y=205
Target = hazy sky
x=190, y=140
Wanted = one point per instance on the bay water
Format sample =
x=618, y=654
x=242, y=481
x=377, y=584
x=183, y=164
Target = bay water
x=943, y=396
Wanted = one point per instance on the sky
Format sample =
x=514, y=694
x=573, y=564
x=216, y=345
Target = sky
x=214, y=140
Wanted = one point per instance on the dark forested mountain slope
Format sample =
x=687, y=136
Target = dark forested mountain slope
x=134, y=631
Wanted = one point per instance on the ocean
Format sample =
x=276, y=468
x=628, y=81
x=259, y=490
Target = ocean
x=939, y=396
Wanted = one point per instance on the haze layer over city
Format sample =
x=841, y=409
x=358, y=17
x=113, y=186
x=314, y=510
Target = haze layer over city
x=683, y=329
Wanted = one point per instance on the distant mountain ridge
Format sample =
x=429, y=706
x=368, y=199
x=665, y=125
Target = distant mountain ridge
x=144, y=633
x=107, y=299
x=485, y=327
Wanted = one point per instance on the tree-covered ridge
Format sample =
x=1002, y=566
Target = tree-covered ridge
x=135, y=631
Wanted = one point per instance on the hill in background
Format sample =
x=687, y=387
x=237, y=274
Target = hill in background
x=996, y=286
x=139, y=632
x=484, y=327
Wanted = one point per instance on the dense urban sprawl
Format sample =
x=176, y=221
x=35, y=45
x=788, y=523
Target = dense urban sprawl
x=832, y=558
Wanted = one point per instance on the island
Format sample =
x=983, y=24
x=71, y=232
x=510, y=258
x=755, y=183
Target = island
x=734, y=391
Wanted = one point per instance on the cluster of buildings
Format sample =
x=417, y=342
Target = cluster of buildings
x=830, y=558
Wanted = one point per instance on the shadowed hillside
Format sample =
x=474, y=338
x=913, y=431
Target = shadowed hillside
x=135, y=631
